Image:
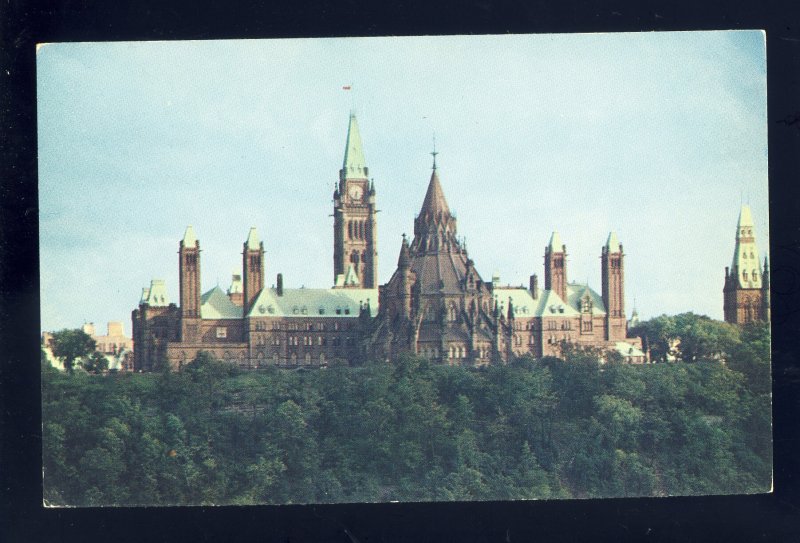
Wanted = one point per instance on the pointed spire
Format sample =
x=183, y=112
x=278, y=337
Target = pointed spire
x=612, y=244
x=354, y=165
x=556, y=246
x=746, y=265
x=404, y=260
x=745, y=217
x=252, y=240
x=189, y=239
x=435, y=205
x=434, y=152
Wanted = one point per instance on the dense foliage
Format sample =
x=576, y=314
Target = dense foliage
x=412, y=431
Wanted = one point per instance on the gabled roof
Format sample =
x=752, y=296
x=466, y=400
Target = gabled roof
x=576, y=293
x=215, y=304
x=354, y=165
x=314, y=302
x=548, y=303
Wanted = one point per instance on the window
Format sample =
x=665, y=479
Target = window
x=222, y=332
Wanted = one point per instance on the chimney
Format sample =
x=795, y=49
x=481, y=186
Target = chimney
x=280, y=284
x=534, y=287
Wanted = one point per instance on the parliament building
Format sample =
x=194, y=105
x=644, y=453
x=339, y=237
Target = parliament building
x=435, y=305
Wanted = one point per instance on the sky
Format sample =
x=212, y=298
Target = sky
x=658, y=136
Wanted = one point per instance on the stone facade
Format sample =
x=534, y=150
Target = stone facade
x=435, y=304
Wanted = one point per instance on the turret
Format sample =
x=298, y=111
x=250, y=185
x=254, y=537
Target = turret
x=613, y=277
x=189, y=273
x=253, y=267
x=555, y=266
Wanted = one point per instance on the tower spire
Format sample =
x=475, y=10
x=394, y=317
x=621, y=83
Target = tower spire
x=354, y=166
x=434, y=152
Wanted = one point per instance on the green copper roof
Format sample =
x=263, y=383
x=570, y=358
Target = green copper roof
x=746, y=265
x=189, y=239
x=576, y=293
x=354, y=164
x=627, y=350
x=745, y=217
x=555, y=244
x=314, y=302
x=156, y=295
x=215, y=304
x=612, y=244
x=548, y=303
x=252, y=239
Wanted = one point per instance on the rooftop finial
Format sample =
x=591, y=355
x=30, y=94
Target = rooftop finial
x=434, y=152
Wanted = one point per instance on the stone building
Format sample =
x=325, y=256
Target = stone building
x=746, y=291
x=435, y=304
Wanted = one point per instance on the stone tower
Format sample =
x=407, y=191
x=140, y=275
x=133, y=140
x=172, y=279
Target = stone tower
x=253, y=268
x=746, y=290
x=355, y=255
x=555, y=266
x=613, y=287
x=189, y=278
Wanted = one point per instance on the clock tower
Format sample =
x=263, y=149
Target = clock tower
x=355, y=255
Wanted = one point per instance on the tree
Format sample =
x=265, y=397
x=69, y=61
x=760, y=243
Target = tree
x=70, y=345
x=95, y=363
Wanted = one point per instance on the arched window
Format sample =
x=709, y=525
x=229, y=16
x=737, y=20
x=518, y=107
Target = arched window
x=744, y=275
x=349, y=229
x=755, y=275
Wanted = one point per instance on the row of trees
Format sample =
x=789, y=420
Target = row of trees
x=411, y=431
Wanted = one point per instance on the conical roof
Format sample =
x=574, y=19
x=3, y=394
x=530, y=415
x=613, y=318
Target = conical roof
x=435, y=204
x=354, y=165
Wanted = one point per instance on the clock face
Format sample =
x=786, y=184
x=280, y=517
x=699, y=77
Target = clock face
x=355, y=192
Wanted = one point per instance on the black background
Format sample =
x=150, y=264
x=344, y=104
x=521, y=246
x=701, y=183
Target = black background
x=774, y=517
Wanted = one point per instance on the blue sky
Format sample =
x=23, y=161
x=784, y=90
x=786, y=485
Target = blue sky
x=658, y=136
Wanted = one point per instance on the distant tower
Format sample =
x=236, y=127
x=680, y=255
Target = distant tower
x=253, y=268
x=555, y=266
x=189, y=278
x=355, y=252
x=189, y=271
x=746, y=290
x=613, y=287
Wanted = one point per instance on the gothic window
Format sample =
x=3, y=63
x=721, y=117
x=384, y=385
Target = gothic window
x=349, y=229
x=364, y=257
x=755, y=275
x=744, y=275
